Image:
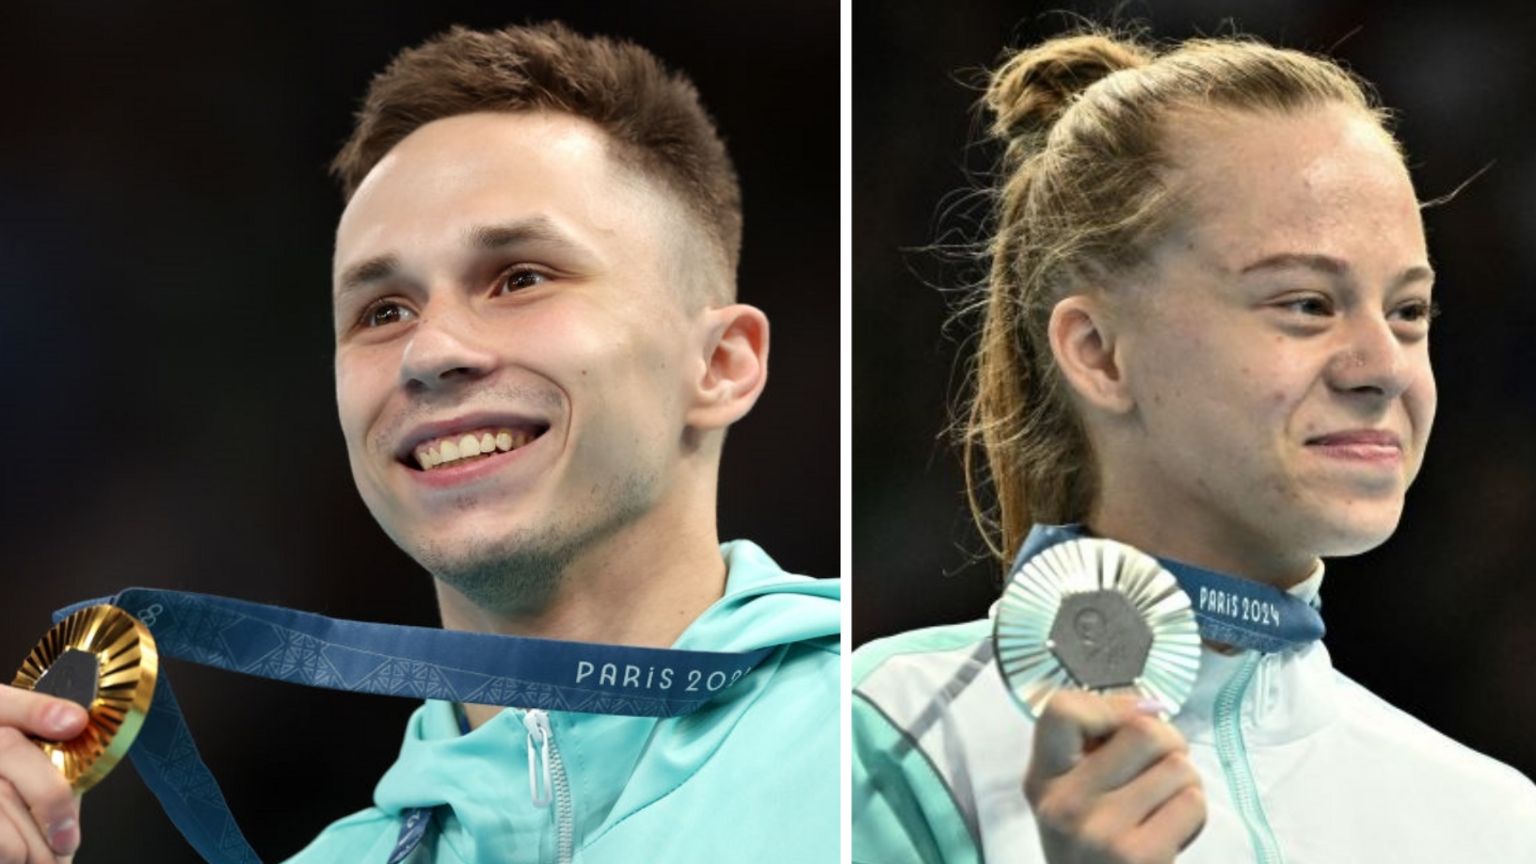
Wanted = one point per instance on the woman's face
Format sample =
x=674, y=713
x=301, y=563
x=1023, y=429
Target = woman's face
x=1277, y=348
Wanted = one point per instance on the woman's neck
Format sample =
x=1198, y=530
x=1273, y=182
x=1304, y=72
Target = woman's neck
x=1225, y=548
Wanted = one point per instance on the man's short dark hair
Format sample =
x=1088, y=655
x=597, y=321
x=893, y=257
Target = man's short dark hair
x=651, y=113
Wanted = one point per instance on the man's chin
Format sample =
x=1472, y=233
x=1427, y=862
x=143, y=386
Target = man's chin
x=496, y=573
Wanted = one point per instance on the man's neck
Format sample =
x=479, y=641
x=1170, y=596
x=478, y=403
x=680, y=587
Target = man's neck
x=640, y=587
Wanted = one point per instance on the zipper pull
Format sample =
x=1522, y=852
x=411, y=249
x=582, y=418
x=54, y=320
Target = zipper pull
x=539, y=737
x=1267, y=696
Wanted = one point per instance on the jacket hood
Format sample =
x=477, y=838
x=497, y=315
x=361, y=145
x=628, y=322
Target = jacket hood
x=764, y=606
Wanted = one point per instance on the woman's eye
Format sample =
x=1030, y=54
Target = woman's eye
x=382, y=313
x=1311, y=305
x=1419, y=312
x=518, y=278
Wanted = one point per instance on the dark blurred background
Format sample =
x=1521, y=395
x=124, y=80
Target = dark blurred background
x=168, y=416
x=1437, y=621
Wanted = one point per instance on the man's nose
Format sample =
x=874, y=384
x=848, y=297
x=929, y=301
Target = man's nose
x=445, y=348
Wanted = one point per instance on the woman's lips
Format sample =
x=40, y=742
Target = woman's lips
x=1370, y=446
x=1371, y=453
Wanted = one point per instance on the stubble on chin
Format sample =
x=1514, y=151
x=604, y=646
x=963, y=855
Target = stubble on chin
x=519, y=572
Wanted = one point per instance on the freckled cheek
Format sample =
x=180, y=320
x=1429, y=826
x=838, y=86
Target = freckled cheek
x=1279, y=381
x=1291, y=419
x=1159, y=376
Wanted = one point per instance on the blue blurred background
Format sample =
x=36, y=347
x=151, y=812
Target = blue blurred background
x=168, y=416
x=1439, y=621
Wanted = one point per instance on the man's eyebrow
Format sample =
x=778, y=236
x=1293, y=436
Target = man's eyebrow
x=1329, y=265
x=534, y=229
x=375, y=269
x=481, y=238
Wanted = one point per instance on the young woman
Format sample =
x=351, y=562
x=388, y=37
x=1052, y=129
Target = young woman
x=1205, y=335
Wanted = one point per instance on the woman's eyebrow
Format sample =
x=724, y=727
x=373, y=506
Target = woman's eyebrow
x=1310, y=261
x=1330, y=265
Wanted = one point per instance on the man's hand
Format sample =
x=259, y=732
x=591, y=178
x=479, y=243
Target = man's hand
x=39, y=815
x=1111, y=782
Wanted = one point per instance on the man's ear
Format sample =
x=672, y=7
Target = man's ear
x=735, y=366
x=1084, y=341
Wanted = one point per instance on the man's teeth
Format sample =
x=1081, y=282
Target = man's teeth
x=453, y=448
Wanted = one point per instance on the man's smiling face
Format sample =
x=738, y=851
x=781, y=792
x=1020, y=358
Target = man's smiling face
x=500, y=278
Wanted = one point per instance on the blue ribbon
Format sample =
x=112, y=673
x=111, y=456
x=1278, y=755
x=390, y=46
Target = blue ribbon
x=1231, y=611
x=393, y=660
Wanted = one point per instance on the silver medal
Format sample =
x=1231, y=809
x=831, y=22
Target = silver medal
x=1096, y=615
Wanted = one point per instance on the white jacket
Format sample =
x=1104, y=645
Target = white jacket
x=1301, y=765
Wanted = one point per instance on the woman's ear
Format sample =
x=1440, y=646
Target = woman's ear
x=1083, y=340
x=735, y=366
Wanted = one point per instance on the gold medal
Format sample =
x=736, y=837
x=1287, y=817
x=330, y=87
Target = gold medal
x=105, y=660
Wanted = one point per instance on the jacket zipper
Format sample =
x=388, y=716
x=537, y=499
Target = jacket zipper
x=544, y=764
x=1234, y=763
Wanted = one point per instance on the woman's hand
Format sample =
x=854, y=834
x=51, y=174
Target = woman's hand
x=1110, y=781
x=39, y=814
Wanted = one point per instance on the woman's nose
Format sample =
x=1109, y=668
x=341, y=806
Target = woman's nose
x=1371, y=359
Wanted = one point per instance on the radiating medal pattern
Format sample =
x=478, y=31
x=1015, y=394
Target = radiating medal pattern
x=105, y=660
x=1097, y=615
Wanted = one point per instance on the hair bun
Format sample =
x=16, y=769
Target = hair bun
x=1032, y=89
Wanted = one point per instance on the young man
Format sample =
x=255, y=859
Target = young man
x=538, y=352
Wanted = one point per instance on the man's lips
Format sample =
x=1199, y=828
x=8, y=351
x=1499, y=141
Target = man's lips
x=456, y=427
x=464, y=472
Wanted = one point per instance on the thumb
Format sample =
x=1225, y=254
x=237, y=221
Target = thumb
x=40, y=714
x=1073, y=721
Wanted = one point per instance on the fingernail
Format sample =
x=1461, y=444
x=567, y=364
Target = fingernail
x=61, y=718
x=1152, y=707
x=64, y=836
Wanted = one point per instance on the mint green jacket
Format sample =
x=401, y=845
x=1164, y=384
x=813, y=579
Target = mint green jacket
x=752, y=776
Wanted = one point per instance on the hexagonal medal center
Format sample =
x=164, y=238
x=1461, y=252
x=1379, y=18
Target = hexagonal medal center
x=1101, y=639
x=71, y=676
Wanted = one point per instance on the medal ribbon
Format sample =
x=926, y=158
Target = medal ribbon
x=1231, y=611
x=393, y=660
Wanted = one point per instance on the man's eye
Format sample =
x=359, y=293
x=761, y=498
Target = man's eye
x=520, y=277
x=382, y=313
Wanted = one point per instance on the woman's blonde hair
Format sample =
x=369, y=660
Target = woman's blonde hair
x=1081, y=192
